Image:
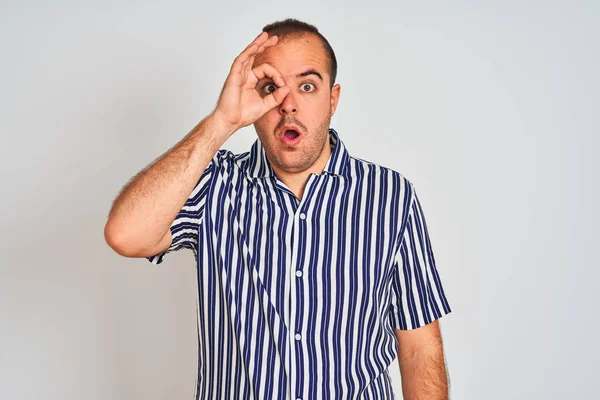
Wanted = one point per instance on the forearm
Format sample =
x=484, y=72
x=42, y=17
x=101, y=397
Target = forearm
x=424, y=375
x=146, y=207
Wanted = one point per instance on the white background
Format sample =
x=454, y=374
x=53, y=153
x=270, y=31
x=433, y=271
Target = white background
x=489, y=108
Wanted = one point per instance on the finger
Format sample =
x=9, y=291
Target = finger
x=263, y=36
x=247, y=68
x=268, y=71
x=247, y=65
x=256, y=44
x=264, y=41
x=276, y=98
x=261, y=42
x=271, y=41
x=237, y=65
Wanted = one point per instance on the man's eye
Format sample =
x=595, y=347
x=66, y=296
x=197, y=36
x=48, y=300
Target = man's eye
x=269, y=88
x=308, y=87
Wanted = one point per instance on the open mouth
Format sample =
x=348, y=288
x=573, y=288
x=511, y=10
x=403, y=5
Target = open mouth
x=291, y=134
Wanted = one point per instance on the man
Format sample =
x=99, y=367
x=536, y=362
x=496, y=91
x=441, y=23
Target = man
x=315, y=269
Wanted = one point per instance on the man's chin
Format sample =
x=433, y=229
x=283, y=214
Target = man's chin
x=291, y=166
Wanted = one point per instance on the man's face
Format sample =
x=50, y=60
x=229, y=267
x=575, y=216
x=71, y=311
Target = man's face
x=308, y=108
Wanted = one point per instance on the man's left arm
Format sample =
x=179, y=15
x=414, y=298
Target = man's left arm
x=422, y=363
x=417, y=302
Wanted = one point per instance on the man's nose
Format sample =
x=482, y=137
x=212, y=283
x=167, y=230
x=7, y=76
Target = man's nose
x=288, y=105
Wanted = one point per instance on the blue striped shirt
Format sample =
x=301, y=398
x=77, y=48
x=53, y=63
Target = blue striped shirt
x=299, y=299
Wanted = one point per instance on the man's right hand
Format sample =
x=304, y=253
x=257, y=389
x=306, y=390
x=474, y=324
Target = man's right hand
x=240, y=104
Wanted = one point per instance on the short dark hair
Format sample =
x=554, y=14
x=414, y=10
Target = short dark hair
x=293, y=28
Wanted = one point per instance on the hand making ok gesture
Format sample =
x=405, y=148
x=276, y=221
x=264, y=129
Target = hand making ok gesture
x=240, y=104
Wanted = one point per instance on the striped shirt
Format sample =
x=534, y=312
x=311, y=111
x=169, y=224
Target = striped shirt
x=299, y=299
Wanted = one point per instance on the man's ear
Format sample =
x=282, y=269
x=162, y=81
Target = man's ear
x=335, y=97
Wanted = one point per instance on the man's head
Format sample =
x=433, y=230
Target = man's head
x=309, y=67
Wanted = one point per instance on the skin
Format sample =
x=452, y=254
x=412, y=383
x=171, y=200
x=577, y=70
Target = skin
x=422, y=364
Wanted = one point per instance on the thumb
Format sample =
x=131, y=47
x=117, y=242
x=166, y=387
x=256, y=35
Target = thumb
x=276, y=98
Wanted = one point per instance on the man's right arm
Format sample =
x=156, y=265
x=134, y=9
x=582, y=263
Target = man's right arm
x=140, y=218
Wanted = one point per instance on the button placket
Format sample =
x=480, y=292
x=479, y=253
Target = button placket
x=295, y=293
x=296, y=288
x=300, y=225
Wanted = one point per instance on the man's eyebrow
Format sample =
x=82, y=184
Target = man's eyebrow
x=310, y=72
x=300, y=75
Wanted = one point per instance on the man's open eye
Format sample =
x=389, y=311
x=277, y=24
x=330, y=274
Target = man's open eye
x=269, y=88
x=308, y=87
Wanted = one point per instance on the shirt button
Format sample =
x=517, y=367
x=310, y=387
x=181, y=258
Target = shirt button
x=302, y=216
x=298, y=273
x=298, y=336
x=298, y=398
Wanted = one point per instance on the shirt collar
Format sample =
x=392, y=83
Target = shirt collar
x=258, y=165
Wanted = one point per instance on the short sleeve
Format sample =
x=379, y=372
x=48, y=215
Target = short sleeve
x=417, y=296
x=184, y=228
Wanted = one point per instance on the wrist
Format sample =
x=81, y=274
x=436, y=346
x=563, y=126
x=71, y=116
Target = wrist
x=220, y=128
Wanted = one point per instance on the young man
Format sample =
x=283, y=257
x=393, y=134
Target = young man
x=315, y=269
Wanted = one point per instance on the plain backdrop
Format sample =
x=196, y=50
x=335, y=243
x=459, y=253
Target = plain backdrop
x=489, y=107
